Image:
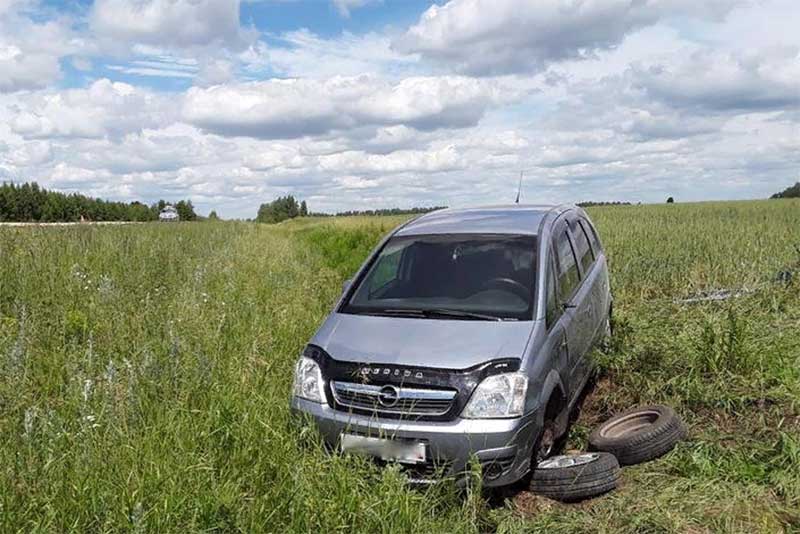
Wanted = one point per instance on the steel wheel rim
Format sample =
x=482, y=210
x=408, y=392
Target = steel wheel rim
x=546, y=444
x=568, y=460
x=630, y=424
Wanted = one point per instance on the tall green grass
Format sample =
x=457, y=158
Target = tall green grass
x=145, y=376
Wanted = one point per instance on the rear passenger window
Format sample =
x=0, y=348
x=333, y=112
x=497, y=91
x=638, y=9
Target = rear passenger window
x=582, y=245
x=590, y=232
x=587, y=231
x=568, y=277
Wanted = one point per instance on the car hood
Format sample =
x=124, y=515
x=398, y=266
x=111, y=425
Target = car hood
x=444, y=344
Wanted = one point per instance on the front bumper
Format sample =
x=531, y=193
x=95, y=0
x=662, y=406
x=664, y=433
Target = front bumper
x=502, y=446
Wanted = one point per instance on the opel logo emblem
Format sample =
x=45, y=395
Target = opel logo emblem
x=388, y=396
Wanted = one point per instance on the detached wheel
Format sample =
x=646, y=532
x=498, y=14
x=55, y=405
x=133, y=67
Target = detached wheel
x=640, y=434
x=575, y=477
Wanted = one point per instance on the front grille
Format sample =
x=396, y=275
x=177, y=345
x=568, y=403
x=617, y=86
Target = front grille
x=394, y=400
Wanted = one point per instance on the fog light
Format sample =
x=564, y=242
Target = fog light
x=492, y=471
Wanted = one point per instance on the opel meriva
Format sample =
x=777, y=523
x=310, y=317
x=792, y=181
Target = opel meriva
x=465, y=335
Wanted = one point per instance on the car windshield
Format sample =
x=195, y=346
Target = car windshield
x=450, y=276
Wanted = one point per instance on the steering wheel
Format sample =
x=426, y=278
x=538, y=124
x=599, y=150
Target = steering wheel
x=510, y=285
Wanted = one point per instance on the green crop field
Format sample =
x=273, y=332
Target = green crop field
x=145, y=374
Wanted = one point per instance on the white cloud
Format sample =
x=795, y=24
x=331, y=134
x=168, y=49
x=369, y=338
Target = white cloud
x=31, y=46
x=708, y=80
x=293, y=108
x=169, y=23
x=20, y=70
x=104, y=108
x=301, y=53
x=215, y=72
x=424, y=161
x=484, y=37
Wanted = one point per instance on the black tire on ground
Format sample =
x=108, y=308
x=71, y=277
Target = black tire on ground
x=640, y=434
x=575, y=477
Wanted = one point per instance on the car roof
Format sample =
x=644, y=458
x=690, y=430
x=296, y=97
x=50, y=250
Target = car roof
x=509, y=219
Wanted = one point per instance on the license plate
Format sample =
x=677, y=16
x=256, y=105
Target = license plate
x=405, y=452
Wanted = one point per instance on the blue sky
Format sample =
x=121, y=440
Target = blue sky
x=324, y=19
x=355, y=104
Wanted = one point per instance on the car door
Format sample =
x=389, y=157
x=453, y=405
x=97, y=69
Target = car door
x=584, y=297
x=556, y=321
x=599, y=278
x=568, y=278
x=594, y=275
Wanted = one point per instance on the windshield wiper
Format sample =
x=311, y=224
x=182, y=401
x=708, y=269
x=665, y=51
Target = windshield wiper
x=459, y=314
x=437, y=312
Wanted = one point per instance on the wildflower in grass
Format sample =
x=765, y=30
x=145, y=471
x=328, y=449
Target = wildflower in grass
x=87, y=390
x=105, y=286
x=174, y=345
x=91, y=421
x=111, y=372
x=90, y=349
x=130, y=392
x=28, y=421
x=81, y=276
x=136, y=516
x=77, y=272
x=18, y=352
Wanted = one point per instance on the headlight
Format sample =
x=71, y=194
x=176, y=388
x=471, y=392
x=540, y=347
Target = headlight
x=497, y=396
x=308, y=383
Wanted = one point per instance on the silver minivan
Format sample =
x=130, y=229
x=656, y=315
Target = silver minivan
x=464, y=337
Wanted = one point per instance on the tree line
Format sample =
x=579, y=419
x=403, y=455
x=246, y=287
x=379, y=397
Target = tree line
x=281, y=209
x=390, y=211
x=592, y=203
x=789, y=192
x=288, y=207
x=29, y=202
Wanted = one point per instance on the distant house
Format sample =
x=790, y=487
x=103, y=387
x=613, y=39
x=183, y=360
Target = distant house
x=168, y=214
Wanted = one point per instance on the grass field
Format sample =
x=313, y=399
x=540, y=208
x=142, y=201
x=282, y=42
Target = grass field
x=145, y=374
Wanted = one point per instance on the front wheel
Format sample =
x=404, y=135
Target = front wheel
x=546, y=446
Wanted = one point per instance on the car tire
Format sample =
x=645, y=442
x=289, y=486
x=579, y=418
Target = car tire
x=640, y=434
x=574, y=477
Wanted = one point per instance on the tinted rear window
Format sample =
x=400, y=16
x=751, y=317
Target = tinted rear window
x=583, y=251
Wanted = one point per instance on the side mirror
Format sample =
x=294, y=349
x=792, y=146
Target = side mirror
x=346, y=285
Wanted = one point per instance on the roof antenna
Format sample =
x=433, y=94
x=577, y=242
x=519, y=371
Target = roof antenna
x=519, y=187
